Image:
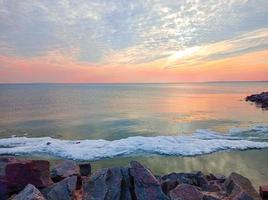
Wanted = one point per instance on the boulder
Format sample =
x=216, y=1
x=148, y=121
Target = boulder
x=237, y=185
x=63, y=170
x=110, y=183
x=29, y=193
x=185, y=192
x=146, y=186
x=195, y=178
x=85, y=169
x=63, y=190
x=264, y=191
x=16, y=174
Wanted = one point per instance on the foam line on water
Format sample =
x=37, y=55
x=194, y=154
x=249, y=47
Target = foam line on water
x=201, y=142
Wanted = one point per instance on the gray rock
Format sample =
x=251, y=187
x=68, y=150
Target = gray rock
x=195, y=178
x=105, y=184
x=63, y=190
x=29, y=193
x=237, y=185
x=63, y=170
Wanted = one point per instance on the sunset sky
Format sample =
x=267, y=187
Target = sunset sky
x=133, y=40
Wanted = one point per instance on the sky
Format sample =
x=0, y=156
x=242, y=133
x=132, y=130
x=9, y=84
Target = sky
x=117, y=41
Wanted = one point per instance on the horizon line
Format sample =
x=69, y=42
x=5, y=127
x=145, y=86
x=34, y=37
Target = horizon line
x=122, y=83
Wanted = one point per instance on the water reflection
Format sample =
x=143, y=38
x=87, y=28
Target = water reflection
x=251, y=163
x=116, y=111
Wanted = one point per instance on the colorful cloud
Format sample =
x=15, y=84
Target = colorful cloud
x=133, y=41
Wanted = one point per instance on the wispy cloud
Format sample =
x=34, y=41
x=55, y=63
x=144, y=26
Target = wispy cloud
x=119, y=33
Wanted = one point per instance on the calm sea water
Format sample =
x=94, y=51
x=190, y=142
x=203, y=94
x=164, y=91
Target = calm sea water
x=111, y=112
x=87, y=111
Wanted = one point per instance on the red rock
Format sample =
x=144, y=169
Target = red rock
x=63, y=170
x=16, y=174
x=264, y=191
x=185, y=192
x=237, y=185
x=146, y=186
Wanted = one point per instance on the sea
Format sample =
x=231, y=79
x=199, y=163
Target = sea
x=168, y=127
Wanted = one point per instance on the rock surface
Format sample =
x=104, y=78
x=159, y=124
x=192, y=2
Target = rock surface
x=237, y=186
x=16, y=174
x=135, y=182
x=29, y=193
x=260, y=99
x=63, y=190
x=85, y=169
x=146, y=186
x=264, y=191
x=63, y=170
x=110, y=183
x=185, y=192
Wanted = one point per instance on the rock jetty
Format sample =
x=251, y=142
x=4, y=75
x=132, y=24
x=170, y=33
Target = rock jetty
x=34, y=180
x=260, y=99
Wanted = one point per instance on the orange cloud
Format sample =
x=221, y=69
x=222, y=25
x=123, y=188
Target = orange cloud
x=63, y=69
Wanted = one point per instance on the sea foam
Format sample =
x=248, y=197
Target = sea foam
x=202, y=141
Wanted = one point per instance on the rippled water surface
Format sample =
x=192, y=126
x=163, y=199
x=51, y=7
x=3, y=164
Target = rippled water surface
x=120, y=111
x=161, y=125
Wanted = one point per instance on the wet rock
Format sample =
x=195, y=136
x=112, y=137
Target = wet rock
x=185, y=192
x=146, y=186
x=85, y=169
x=260, y=99
x=238, y=186
x=63, y=190
x=29, y=193
x=105, y=184
x=16, y=174
x=63, y=170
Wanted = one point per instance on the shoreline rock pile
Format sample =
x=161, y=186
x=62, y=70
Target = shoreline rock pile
x=33, y=180
x=260, y=99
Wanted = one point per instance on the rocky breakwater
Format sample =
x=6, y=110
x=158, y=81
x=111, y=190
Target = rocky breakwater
x=260, y=99
x=33, y=180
